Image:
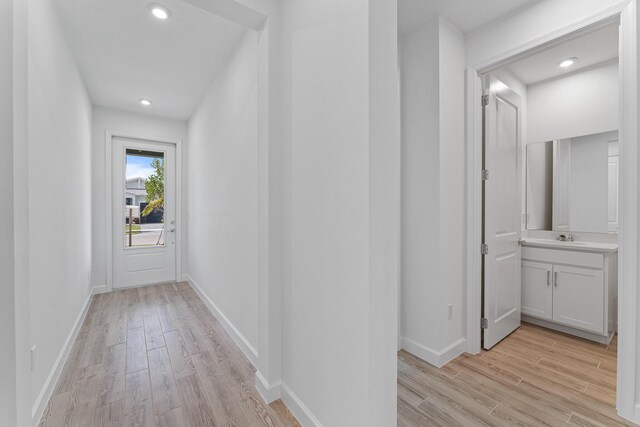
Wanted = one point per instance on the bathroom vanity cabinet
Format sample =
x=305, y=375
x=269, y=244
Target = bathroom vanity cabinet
x=571, y=288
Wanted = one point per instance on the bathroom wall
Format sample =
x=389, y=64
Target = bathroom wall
x=581, y=103
x=588, y=183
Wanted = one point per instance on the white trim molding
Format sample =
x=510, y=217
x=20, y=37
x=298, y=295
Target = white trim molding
x=298, y=408
x=47, y=390
x=474, y=210
x=628, y=232
x=99, y=290
x=269, y=392
x=438, y=358
x=236, y=335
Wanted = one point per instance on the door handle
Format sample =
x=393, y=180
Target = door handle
x=555, y=279
x=548, y=277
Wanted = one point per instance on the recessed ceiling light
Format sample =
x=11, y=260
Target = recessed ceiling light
x=568, y=62
x=145, y=102
x=159, y=11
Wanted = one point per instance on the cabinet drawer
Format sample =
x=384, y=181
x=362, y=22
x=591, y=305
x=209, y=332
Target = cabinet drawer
x=563, y=256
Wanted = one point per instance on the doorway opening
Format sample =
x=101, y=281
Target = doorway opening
x=558, y=276
x=549, y=306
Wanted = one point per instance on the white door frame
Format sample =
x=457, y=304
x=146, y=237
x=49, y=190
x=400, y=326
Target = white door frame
x=109, y=135
x=628, y=246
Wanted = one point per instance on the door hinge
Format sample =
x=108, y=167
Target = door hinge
x=484, y=323
x=485, y=100
x=484, y=249
x=485, y=174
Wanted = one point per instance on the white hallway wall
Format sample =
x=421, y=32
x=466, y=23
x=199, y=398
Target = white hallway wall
x=579, y=104
x=59, y=229
x=143, y=125
x=8, y=374
x=222, y=177
x=433, y=258
x=339, y=150
x=342, y=209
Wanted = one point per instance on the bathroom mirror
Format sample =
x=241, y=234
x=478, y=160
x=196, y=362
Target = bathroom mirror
x=572, y=184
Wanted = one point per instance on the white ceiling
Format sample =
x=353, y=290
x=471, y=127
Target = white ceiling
x=467, y=15
x=125, y=54
x=591, y=49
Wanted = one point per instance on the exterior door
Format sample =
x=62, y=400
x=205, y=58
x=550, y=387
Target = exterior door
x=502, y=208
x=144, y=212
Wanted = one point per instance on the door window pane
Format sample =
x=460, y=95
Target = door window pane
x=144, y=199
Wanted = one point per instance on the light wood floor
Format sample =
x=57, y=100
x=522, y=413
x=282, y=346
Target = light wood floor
x=535, y=377
x=155, y=356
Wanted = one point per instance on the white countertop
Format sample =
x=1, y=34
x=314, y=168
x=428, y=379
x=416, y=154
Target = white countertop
x=574, y=246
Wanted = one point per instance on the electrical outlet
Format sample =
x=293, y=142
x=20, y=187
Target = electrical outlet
x=450, y=311
x=33, y=357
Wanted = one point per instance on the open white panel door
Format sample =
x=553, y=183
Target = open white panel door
x=502, y=206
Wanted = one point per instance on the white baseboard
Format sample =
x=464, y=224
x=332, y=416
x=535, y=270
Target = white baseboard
x=54, y=375
x=99, y=290
x=297, y=408
x=435, y=357
x=269, y=392
x=237, y=337
x=636, y=414
x=279, y=390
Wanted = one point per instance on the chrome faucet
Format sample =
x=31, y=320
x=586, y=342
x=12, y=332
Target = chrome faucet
x=566, y=237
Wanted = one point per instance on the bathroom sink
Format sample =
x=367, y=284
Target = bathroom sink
x=592, y=246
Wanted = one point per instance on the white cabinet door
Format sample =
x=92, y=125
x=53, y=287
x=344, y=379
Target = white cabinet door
x=578, y=296
x=537, y=292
